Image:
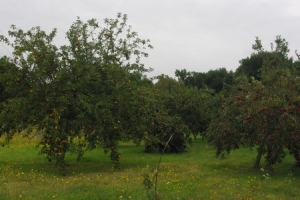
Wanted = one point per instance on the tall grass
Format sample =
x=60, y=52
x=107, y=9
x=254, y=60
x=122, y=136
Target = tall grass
x=196, y=174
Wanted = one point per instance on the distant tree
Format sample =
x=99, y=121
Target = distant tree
x=213, y=79
x=183, y=75
x=188, y=103
x=164, y=122
x=251, y=66
x=197, y=79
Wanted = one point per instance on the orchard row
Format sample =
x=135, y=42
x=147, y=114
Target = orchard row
x=93, y=92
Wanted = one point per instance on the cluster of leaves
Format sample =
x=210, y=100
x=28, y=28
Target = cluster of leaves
x=262, y=114
x=213, y=79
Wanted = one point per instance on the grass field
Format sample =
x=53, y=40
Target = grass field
x=196, y=174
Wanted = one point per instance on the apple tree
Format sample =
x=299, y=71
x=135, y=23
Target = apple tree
x=178, y=110
x=74, y=95
x=261, y=114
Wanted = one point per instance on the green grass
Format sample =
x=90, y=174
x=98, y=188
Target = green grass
x=196, y=174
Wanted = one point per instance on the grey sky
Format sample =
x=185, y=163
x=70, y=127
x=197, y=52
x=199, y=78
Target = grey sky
x=197, y=35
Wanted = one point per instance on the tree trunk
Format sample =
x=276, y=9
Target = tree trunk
x=257, y=160
x=297, y=158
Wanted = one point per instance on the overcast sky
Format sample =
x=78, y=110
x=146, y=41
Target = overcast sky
x=197, y=35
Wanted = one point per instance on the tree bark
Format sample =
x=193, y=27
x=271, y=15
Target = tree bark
x=257, y=160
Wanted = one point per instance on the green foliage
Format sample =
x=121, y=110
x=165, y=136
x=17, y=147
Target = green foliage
x=213, y=79
x=161, y=128
x=93, y=93
x=9, y=77
x=261, y=114
x=252, y=66
x=176, y=109
x=182, y=75
x=77, y=96
x=161, y=124
x=189, y=103
x=147, y=181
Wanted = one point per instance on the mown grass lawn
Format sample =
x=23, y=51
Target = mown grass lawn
x=196, y=174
